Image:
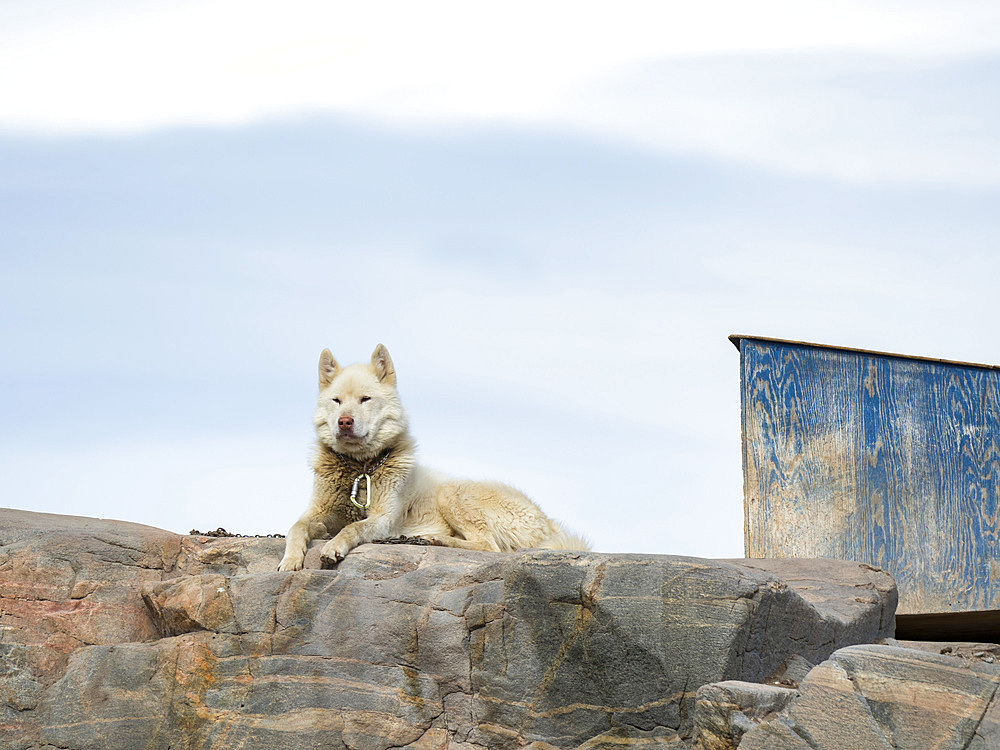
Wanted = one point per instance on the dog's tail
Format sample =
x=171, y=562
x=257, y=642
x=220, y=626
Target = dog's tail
x=562, y=539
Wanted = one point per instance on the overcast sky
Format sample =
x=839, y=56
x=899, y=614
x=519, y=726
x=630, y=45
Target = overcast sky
x=552, y=214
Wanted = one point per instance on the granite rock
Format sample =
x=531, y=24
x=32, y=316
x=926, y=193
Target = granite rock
x=725, y=711
x=119, y=636
x=876, y=696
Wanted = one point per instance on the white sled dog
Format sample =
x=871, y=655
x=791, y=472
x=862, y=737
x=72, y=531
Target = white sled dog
x=368, y=486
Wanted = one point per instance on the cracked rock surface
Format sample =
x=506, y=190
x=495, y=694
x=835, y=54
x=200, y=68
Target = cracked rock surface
x=725, y=711
x=119, y=636
x=891, y=698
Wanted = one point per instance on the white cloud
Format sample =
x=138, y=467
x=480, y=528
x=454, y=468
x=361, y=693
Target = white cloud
x=853, y=118
x=579, y=65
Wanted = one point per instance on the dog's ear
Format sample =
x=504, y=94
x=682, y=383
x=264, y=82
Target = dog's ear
x=328, y=369
x=382, y=365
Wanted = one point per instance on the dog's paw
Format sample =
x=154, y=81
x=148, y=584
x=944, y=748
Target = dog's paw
x=288, y=564
x=432, y=541
x=333, y=552
x=328, y=563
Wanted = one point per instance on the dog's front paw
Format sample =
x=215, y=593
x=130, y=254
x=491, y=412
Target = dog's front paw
x=291, y=562
x=333, y=552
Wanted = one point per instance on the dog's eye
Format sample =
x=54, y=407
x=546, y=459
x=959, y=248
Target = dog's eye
x=335, y=400
x=364, y=398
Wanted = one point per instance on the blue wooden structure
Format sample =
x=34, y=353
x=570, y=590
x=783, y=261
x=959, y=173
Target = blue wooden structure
x=882, y=458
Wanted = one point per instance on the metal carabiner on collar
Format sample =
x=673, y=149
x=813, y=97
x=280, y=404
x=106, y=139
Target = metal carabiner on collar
x=368, y=491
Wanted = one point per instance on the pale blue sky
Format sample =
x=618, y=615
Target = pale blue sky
x=552, y=226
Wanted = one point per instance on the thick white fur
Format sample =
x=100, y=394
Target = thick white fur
x=407, y=499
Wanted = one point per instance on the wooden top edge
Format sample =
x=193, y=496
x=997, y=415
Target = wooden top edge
x=976, y=626
x=737, y=337
x=965, y=614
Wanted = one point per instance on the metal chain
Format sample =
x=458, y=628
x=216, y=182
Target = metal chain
x=221, y=532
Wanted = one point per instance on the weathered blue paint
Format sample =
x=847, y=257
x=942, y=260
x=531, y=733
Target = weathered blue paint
x=890, y=460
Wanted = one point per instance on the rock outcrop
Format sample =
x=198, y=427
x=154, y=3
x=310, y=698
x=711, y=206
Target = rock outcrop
x=119, y=636
x=725, y=711
x=888, y=698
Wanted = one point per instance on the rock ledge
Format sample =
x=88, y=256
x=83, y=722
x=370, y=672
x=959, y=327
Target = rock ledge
x=119, y=636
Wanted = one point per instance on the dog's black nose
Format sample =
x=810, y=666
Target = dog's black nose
x=345, y=423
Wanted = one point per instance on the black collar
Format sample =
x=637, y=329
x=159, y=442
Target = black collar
x=368, y=467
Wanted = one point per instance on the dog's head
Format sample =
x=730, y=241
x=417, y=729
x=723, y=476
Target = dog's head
x=358, y=412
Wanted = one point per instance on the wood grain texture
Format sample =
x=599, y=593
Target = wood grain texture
x=881, y=459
